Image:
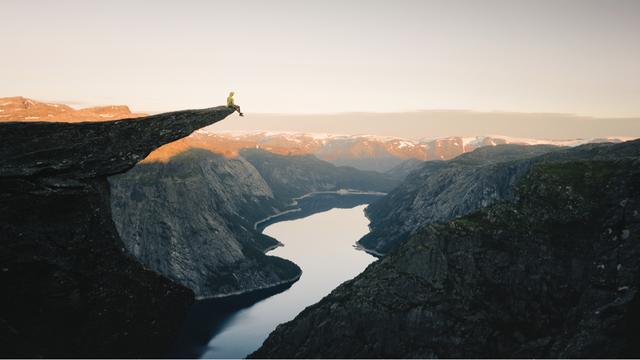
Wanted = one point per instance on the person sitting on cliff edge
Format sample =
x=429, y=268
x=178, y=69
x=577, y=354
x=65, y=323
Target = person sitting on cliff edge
x=232, y=105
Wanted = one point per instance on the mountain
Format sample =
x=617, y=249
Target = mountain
x=294, y=176
x=23, y=109
x=552, y=273
x=442, y=190
x=192, y=216
x=69, y=288
x=403, y=169
x=365, y=152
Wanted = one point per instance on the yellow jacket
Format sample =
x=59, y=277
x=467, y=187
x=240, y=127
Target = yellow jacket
x=230, y=101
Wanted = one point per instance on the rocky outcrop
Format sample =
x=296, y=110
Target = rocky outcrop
x=442, y=190
x=192, y=216
x=553, y=274
x=68, y=287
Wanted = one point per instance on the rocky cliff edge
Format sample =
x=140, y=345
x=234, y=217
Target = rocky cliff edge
x=68, y=287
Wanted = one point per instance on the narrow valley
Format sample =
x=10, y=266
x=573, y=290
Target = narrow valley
x=321, y=244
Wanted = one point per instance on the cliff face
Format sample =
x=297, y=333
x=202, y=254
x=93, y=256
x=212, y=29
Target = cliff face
x=442, y=190
x=191, y=217
x=555, y=273
x=68, y=287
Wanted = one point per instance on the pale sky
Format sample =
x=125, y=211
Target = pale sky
x=440, y=123
x=555, y=56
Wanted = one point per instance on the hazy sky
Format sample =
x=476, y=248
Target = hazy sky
x=567, y=56
x=440, y=123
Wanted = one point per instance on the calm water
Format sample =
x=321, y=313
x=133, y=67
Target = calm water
x=322, y=245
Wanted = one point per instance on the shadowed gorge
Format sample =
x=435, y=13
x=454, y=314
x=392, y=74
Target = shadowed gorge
x=197, y=217
x=69, y=288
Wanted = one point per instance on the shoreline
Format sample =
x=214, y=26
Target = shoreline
x=248, y=291
x=211, y=314
x=273, y=247
x=357, y=246
x=373, y=253
x=361, y=247
x=294, y=202
x=271, y=217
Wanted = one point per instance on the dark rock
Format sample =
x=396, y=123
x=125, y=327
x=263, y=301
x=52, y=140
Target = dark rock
x=68, y=287
x=89, y=150
x=553, y=273
x=442, y=190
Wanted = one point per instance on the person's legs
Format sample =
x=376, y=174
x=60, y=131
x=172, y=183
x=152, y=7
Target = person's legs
x=238, y=110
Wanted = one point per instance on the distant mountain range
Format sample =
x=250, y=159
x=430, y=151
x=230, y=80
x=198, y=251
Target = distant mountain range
x=22, y=109
x=365, y=152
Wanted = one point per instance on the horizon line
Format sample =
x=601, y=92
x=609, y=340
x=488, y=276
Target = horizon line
x=432, y=110
x=79, y=105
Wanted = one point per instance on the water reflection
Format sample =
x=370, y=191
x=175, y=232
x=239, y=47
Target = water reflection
x=322, y=245
x=208, y=317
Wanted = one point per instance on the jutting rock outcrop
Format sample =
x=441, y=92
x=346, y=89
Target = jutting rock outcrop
x=68, y=287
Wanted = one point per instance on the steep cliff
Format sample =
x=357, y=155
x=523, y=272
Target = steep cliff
x=191, y=217
x=555, y=273
x=442, y=190
x=68, y=287
x=192, y=220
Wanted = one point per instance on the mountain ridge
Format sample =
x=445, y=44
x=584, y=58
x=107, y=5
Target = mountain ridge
x=551, y=273
x=366, y=152
x=439, y=191
x=363, y=151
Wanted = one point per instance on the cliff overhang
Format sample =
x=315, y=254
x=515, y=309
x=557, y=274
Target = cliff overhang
x=69, y=288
